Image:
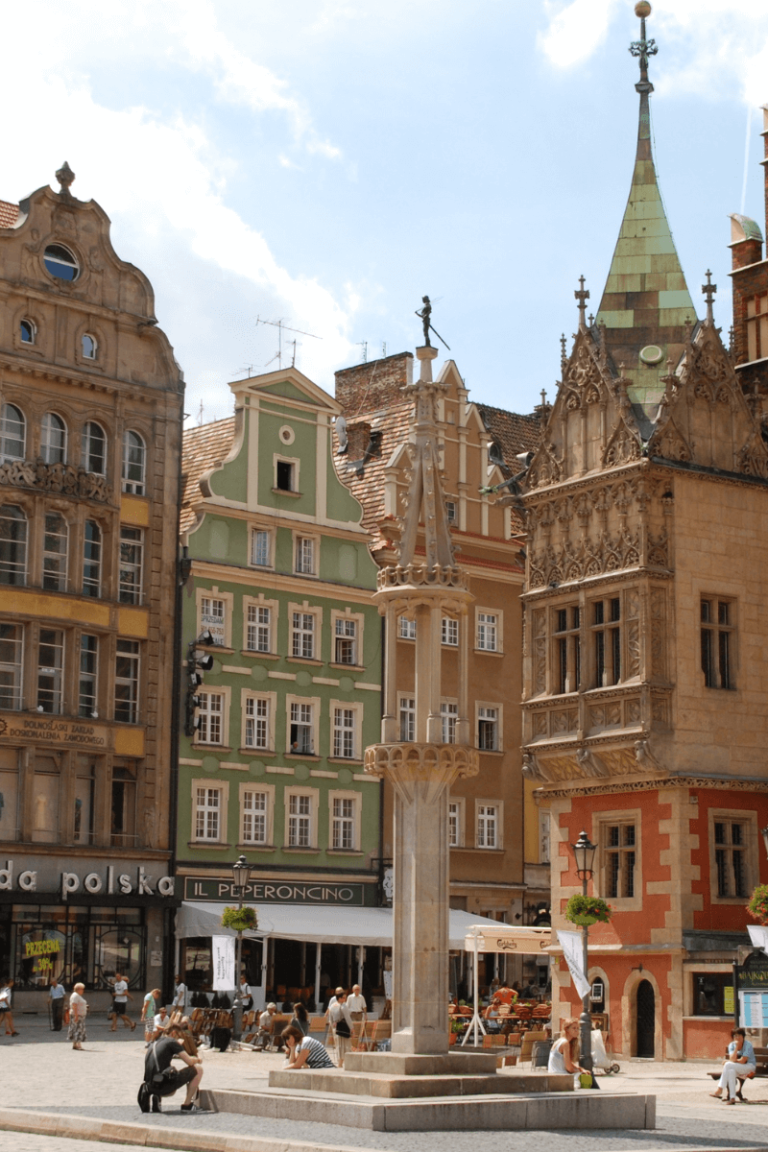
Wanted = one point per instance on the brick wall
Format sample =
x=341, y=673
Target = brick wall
x=377, y=384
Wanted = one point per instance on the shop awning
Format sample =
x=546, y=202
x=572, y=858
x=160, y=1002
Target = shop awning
x=508, y=940
x=321, y=924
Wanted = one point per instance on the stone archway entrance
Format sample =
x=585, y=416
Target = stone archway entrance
x=645, y=1017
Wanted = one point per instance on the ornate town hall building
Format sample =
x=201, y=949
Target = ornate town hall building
x=646, y=629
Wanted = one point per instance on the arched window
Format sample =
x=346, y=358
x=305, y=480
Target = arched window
x=27, y=331
x=60, y=262
x=92, y=559
x=53, y=439
x=55, y=544
x=134, y=463
x=94, y=448
x=89, y=347
x=13, y=433
x=13, y=544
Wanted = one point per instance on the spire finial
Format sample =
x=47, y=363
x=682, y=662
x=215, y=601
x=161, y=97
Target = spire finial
x=65, y=176
x=582, y=296
x=643, y=48
x=563, y=356
x=709, y=290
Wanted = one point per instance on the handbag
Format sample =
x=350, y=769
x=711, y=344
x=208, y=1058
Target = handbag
x=343, y=1029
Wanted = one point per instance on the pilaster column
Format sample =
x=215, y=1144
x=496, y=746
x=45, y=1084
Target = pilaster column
x=389, y=722
x=435, y=720
x=463, y=726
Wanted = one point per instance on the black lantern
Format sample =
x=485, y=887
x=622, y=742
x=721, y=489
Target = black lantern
x=584, y=851
x=241, y=872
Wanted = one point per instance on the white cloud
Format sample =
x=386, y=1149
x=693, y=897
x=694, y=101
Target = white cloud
x=575, y=30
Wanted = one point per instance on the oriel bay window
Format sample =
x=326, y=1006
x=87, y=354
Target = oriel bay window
x=11, y=666
x=127, y=658
x=567, y=649
x=606, y=639
x=717, y=640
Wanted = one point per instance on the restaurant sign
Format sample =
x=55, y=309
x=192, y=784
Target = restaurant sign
x=276, y=892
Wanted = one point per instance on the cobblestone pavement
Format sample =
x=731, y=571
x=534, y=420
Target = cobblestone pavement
x=41, y=1073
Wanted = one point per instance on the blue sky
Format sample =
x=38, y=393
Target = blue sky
x=329, y=162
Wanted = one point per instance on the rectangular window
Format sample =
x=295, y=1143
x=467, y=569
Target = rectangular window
x=260, y=550
x=211, y=713
x=487, y=826
x=709, y=993
x=127, y=681
x=606, y=636
x=303, y=635
x=730, y=858
x=757, y=327
x=299, y=821
x=89, y=667
x=407, y=628
x=717, y=640
x=259, y=627
x=345, y=641
x=49, y=670
x=11, y=656
x=343, y=831
x=488, y=729
x=301, y=730
x=131, y=564
x=92, y=559
x=305, y=555
x=285, y=473
x=213, y=619
x=55, y=542
x=450, y=714
x=256, y=722
x=407, y=719
x=255, y=811
x=123, y=822
x=450, y=632
x=620, y=859
x=568, y=649
x=344, y=732
x=450, y=511
x=487, y=632
x=454, y=815
x=208, y=813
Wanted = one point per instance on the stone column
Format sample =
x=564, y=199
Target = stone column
x=390, y=728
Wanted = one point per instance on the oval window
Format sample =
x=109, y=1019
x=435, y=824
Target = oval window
x=60, y=262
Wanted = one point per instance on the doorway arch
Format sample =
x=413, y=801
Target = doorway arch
x=645, y=1020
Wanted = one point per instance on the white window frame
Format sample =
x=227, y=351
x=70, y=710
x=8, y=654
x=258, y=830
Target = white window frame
x=599, y=835
x=449, y=632
x=268, y=791
x=12, y=431
x=93, y=585
x=269, y=537
x=482, y=706
x=207, y=690
x=314, y=723
x=449, y=713
x=406, y=629
x=86, y=450
x=257, y=605
x=92, y=355
x=750, y=849
x=356, y=708
x=49, y=451
x=306, y=609
x=300, y=552
x=483, y=810
x=452, y=511
x=32, y=331
x=134, y=485
x=222, y=787
x=270, y=698
x=61, y=576
x=295, y=790
x=406, y=708
x=134, y=590
x=135, y=657
x=14, y=572
x=337, y=820
x=213, y=593
x=481, y=640
x=57, y=691
x=92, y=677
x=11, y=699
x=344, y=619
x=457, y=820
x=295, y=463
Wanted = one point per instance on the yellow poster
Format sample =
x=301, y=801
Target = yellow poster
x=728, y=1000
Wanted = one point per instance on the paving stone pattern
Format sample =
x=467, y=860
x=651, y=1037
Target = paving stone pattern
x=41, y=1073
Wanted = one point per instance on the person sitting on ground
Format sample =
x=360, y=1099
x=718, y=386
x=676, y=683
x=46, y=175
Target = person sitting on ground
x=300, y=1018
x=165, y=1080
x=562, y=1056
x=162, y=1022
x=266, y=1032
x=6, y=1016
x=304, y=1051
x=739, y=1063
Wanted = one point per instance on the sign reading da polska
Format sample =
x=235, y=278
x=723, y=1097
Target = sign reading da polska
x=109, y=882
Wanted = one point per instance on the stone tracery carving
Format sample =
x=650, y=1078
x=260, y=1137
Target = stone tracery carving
x=64, y=478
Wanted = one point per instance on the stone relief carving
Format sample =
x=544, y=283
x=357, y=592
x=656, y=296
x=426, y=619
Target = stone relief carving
x=658, y=631
x=547, y=467
x=608, y=554
x=622, y=448
x=63, y=478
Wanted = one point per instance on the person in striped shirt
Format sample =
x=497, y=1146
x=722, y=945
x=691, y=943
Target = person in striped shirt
x=304, y=1051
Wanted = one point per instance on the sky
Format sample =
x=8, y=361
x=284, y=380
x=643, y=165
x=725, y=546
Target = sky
x=326, y=163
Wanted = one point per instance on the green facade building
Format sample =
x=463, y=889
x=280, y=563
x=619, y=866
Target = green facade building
x=277, y=590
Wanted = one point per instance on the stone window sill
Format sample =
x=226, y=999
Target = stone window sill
x=348, y=667
x=217, y=845
x=345, y=760
x=303, y=851
x=487, y=652
x=304, y=660
x=287, y=492
x=258, y=655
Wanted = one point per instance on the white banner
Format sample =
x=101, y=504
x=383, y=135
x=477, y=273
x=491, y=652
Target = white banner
x=223, y=962
x=758, y=934
x=572, y=945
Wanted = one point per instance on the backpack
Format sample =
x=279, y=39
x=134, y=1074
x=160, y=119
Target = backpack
x=143, y=1097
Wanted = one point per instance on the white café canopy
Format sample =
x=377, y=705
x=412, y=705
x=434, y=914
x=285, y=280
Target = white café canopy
x=488, y=936
x=321, y=923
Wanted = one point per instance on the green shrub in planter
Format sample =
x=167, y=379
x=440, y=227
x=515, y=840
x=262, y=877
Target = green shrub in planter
x=239, y=919
x=587, y=910
x=758, y=904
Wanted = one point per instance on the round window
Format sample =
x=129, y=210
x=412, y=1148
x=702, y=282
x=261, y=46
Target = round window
x=60, y=262
x=287, y=434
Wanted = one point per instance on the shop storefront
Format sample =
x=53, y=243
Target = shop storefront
x=83, y=920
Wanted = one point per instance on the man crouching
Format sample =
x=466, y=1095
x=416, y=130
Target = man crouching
x=163, y=1079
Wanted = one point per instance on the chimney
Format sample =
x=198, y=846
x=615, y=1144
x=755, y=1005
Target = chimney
x=375, y=385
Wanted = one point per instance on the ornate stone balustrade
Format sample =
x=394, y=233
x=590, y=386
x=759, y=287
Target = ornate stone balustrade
x=415, y=575
x=436, y=765
x=63, y=478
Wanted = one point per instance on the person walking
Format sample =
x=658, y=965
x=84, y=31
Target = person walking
x=341, y=1022
x=6, y=997
x=78, y=1010
x=148, y=1010
x=179, y=1002
x=56, y=1001
x=121, y=996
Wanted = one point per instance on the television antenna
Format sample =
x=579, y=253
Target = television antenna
x=282, y=327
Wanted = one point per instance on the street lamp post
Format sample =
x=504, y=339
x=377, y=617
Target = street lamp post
x=241, y=871
x=584, y=852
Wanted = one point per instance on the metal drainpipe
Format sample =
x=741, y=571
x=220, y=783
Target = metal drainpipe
x=170, y=934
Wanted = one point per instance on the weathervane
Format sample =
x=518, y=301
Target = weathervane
x=643, y=48
x=424, y=316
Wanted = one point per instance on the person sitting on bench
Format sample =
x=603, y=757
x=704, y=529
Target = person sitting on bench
x=740, y=1064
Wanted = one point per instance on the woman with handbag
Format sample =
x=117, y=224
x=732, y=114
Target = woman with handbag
x=78, y=1010
x=341, y=1022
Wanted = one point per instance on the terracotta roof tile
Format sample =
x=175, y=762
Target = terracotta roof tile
x=367, y=484
x=202, y=448
x=512, y=432
x=8, y=214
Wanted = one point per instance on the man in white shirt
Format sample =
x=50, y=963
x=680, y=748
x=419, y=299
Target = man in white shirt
x=56, y=1000
x=179, y=1002
x=356, y=1004
x=121, y=996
